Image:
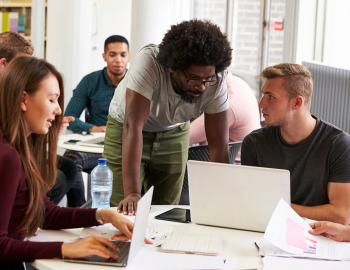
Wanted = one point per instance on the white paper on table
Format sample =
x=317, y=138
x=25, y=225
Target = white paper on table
x=290, y=232
x=56, y=235
x=268, y=249
x=274, y=263
x=153, y=260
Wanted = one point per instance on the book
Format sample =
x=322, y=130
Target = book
x=5, y=21
x=20, y=24
x=13, y=21
x=1, y=22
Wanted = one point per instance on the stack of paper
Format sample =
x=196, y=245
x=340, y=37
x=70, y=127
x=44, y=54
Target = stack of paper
x=183, y=239
x=288, y=235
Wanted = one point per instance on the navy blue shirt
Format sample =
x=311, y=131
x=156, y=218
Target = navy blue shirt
x=94, y=93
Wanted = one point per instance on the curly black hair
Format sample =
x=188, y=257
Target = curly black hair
x=195, y=42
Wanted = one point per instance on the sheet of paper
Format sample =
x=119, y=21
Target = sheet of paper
x=289, y=232
x=274, y=263
x=187, y=239
x=148, y=259
x=56, y=235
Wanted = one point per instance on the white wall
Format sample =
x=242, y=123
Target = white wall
x=151, y=19
x=76, y=30
x=337, y=38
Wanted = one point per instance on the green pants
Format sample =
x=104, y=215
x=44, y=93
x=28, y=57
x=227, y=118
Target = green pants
x=163, y=162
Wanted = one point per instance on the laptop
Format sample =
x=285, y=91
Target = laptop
x=235, y=196
x=128, y=250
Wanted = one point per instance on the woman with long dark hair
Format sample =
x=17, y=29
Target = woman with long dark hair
x=31, y=102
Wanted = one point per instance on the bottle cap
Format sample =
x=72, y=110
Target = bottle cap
x=102, y=161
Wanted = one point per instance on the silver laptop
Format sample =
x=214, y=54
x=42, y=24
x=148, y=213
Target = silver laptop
x=128, y=250
x=235, y=196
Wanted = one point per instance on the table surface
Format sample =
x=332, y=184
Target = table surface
x=63, y=138
x=238, y=245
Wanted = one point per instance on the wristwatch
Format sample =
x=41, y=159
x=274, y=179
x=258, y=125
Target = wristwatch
x=99, y=216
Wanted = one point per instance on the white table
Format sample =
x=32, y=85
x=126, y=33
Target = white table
x=62, y=142
x=238, y=245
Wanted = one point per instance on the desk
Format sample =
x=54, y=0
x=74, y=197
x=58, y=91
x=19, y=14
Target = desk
x=80, y=148
x=238, y=245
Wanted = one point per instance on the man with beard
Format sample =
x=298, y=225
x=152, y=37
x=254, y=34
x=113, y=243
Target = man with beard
x=94, y=94
x=168, y=85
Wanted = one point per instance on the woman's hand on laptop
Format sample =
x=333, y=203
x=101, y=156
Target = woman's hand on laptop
x=92, y=245
x=123, y=224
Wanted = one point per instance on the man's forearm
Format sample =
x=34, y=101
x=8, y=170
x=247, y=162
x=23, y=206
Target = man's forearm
x=131, y=162
x=327, y=212
x=219, y=154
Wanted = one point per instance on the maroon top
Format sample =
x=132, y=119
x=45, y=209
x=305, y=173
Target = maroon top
x=14, y=199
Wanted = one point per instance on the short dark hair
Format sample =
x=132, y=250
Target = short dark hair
x=195, y=42
x=115, y=38
x=13, y=43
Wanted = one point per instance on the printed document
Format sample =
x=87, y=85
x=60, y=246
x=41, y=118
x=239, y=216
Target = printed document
x=290, y=233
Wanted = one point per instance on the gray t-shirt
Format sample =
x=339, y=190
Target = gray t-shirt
x=322, y=157
x=150, y=79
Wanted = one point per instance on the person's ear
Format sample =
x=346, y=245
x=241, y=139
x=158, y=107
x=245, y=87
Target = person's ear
x=104, y=56
x=3, y=63
x=298, y=102
x=24, y=101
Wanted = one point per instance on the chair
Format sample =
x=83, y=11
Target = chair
x=201, y=152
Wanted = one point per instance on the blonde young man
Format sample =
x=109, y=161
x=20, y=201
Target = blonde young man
x=316, y=153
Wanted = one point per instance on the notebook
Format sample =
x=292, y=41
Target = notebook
x=235, y=196
x=191, y=240
x=128, y=250
x=95, y=142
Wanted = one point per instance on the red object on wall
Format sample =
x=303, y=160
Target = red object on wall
x=278, y=25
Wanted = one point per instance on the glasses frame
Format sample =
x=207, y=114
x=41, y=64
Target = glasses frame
x=196, y=82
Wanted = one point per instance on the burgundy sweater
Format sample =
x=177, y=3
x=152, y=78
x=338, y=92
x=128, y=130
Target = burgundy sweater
x=14, y=198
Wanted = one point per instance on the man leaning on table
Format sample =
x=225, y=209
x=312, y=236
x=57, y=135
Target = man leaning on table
x=316, y=153
x=167, y=85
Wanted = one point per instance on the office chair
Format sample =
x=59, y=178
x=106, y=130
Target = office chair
x=201, y=152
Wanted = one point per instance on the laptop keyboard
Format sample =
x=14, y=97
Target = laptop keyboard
x=123, y=252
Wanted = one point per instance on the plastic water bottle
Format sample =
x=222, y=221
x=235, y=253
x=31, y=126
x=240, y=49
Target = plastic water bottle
x=101, y=184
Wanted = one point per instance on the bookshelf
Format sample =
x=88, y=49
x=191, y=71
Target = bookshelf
x=15, y=16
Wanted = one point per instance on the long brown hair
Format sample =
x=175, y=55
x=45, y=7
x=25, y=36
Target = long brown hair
x=37, y=151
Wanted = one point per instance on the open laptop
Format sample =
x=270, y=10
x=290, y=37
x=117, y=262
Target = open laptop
x=128, y=250
x=235, y=196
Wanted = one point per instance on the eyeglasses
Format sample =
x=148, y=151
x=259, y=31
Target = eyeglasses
x=192, y=82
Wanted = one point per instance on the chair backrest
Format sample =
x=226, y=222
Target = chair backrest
x=234, y=149
x=201, y=152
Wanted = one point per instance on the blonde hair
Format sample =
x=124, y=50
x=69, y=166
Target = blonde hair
x=297, y=79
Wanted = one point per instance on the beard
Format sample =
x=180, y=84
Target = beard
x=185, y=95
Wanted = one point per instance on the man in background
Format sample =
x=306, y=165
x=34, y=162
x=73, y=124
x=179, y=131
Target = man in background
x=69, y=181
x=94, y=94
x=316, y=153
